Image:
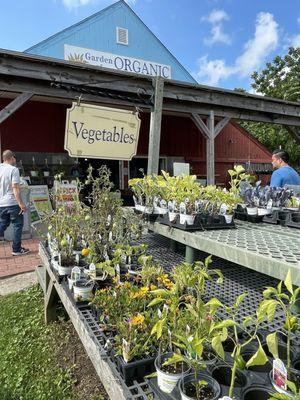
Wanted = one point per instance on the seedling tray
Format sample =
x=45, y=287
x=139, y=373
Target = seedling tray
x=285, y=218
x=133, y=370
x=202, y=222
x=146, y=216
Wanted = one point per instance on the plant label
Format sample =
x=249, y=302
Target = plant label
x=225, y=398
x=279, y=374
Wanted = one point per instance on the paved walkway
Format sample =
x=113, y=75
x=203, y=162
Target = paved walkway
x=10, y=265
x=16, y=283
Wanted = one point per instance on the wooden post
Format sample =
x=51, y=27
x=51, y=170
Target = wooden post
x=210, y=150
x=14, y=106
x=155, y=128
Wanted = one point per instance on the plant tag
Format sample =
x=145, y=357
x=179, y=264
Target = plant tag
x=126, y=350
x=77, y=258
x=92, y=270
x=182, y=208
x=279, y=374
x=223, y=209
x=225, y=398
x=123, y=258
x=117, y=269
x=75, y=274
x=110, y=236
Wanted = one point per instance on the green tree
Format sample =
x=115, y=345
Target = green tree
x=280, y=79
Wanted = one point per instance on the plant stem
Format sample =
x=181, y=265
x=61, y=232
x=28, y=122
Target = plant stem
x=232, y=379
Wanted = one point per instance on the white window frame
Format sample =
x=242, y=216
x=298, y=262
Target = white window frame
x=117, y=34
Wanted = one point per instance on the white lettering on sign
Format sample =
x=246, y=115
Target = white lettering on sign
x=116, y=62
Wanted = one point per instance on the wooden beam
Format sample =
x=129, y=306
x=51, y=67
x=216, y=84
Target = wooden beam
x=155, y=128
x=51, y=300
x=14, y=106
x=221, y=125
x=210, y=150
x=200, y=125
x=294, y=132
x=236, y=105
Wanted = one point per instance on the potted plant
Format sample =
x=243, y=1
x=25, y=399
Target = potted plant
x=275, y=298
x=46, y=169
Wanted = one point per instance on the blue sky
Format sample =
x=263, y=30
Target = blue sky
x=221, y=42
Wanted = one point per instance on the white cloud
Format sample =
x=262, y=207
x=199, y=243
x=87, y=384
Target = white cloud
x=216, y=18
x=255, y=52
x=212, y=71
x=294, y=41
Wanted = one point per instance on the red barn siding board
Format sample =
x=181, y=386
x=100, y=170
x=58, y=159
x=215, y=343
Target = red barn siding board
x=35, y=127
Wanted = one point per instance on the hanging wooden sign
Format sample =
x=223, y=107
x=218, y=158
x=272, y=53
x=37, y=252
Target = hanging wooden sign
x=101, y=132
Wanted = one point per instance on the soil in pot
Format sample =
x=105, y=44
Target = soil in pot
x=174, y=369
x=205, y=392
x=256, y=392
x=209, y=391
x=222, y=374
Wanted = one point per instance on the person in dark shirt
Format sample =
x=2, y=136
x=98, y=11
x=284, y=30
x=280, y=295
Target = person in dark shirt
x=283, y=174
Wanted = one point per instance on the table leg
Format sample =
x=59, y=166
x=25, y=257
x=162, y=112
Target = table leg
x=190, y=254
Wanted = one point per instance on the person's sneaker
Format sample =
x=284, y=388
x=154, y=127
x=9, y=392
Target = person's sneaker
x=22, y=252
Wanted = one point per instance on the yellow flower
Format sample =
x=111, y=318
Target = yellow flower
x=85, y=252
x=143, y=291
x=116, y=279
x=153, y=287
x=137, y=320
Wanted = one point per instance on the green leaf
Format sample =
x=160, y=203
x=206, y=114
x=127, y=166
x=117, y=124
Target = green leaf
x=292, y=387
x=158, y=328
x=160, y=292
x=259, y=358
x=225, y=324
x=272, y=343
x=154, y=302
x=239, y=299
x=240, y=362
x=174, y=359
x=247, y=320
x=218, y=346
x=214, y=303
x=288, y=282
x=153, y=375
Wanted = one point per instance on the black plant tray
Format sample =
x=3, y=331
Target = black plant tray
x=285, y=218
x=147, y=217
x=241, y=214
x=202, y=222
x=134, y=370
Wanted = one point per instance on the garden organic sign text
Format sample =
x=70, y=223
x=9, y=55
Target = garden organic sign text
x=101, y=132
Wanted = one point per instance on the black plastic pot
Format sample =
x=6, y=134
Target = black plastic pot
x=203, y=376
x=257, y=392
x=282, y=351
x=222, y=374
x=135, y=369
x=296, y=363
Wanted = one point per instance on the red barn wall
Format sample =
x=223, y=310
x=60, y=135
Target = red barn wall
x=39, y=127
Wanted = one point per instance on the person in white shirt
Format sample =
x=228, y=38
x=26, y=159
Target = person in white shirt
x=12, y=206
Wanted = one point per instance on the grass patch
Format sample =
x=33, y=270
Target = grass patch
x=30, y=352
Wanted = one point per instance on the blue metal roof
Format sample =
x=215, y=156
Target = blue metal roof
x=98, y=32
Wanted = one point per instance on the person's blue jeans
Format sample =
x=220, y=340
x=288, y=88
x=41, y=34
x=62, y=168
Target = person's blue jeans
x=12, y=215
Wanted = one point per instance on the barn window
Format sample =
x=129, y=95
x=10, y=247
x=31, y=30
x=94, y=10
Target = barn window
x=122, y=36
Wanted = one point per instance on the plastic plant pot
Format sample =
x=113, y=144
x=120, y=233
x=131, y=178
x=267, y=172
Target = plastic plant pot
x=64, y=270
x=83, y=289
x=222, y=374
x=185, y=218
x=252, y=210
x=201, y=376
x=228, y=218
x=263, y=211
x=167, y=381
x=172, y=216
x=296, y=363
x=257, y=392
